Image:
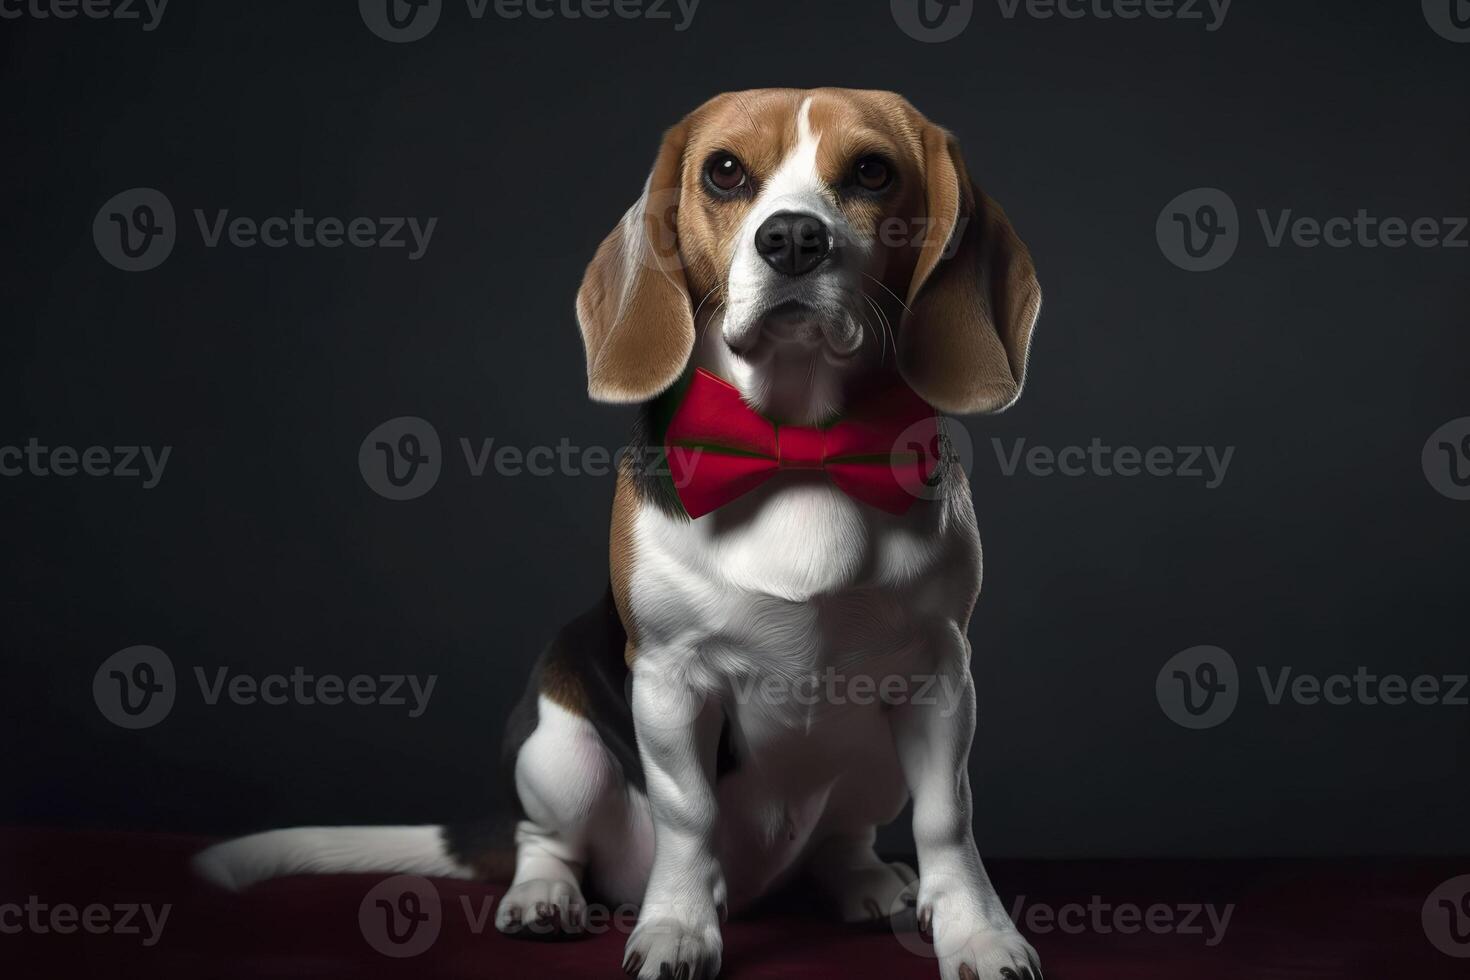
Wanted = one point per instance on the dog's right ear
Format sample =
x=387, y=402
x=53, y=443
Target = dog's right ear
x=633, y=306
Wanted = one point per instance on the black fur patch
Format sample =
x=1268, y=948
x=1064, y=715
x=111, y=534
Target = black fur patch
x=591, y=649
x=470, y=842
x=646, y=463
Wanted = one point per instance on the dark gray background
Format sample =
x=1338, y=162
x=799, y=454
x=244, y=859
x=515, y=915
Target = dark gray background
x=263, y=549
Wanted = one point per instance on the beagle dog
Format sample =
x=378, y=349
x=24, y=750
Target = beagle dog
x=806, y=277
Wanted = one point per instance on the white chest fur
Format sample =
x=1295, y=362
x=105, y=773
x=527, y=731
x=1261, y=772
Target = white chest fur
x=794, y=578
x=796, y=538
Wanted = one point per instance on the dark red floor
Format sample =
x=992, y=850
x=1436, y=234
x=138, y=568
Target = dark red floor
x=1290, y=919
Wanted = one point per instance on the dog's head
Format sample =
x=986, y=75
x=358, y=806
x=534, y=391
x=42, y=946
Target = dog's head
x=802, y=243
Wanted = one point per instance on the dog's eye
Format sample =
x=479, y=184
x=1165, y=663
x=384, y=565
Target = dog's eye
x=872, y=174
x=725, y=173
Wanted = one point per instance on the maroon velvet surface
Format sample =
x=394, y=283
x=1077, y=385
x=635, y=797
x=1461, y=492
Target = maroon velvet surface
x=1291, y=919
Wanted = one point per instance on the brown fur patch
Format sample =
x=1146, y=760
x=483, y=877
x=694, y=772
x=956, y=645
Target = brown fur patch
x=621, y=551
x=560, y=686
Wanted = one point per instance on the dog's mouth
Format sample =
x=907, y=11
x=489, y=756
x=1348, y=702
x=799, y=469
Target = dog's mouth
x=794, y=325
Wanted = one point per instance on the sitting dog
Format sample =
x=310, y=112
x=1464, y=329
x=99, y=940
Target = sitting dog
x=806, y=277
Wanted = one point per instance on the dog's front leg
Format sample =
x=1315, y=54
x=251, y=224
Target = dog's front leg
x=958, y=907
x=678, y=728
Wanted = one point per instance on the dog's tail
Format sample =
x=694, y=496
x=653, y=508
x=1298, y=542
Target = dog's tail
x=428, y=850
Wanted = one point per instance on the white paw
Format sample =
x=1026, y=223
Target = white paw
x=683, y=946
x=543, y=907
x=972, y=946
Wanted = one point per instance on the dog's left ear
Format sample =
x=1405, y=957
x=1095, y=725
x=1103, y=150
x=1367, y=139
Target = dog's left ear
x=974, y=297
x=633, y=306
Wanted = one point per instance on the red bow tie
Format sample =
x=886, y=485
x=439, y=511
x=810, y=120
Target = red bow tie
x=718, y=448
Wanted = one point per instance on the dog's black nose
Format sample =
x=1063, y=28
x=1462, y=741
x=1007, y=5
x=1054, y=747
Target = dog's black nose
x=793, y=244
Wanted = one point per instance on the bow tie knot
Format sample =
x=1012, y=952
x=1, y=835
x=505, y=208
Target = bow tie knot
x=799, y=447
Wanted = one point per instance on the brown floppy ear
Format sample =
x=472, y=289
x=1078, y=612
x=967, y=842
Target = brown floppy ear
x=974, y=297
x=633, y=306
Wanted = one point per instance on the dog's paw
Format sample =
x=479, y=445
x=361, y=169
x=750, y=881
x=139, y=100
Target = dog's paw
x=969, y=949
x=668, y=946
x=544, y=907
x=878, y=894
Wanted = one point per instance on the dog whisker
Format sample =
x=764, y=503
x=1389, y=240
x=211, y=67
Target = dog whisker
x=890, y=293
x=881, y=330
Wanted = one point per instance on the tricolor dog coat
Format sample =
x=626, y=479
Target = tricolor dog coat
x=807, y=277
